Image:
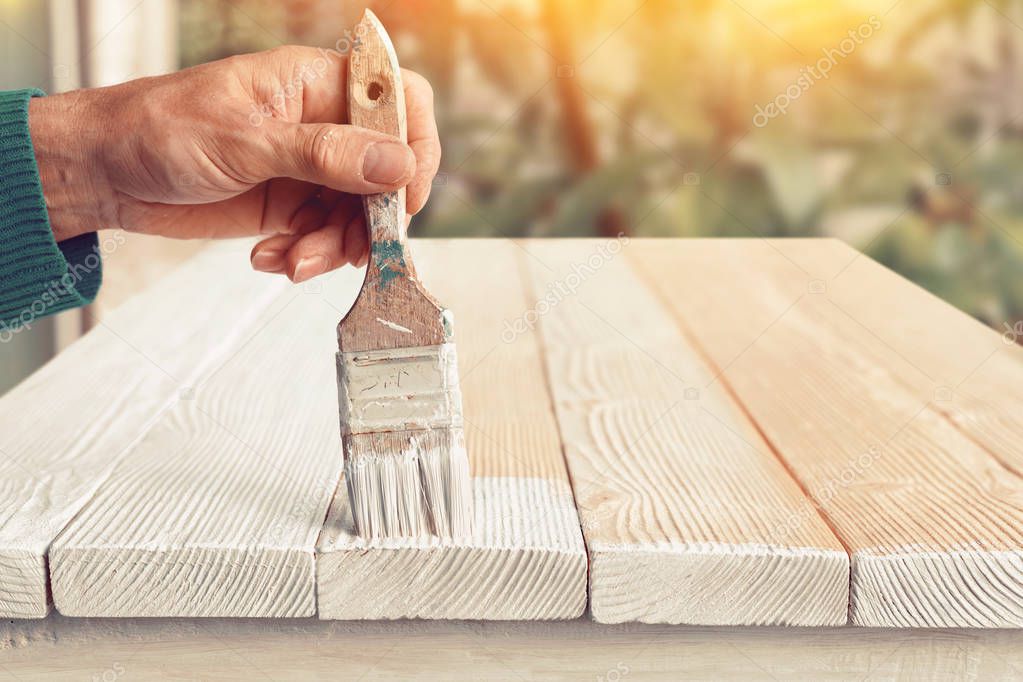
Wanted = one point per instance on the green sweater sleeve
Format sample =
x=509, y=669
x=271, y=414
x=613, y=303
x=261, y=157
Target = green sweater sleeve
x=38, y=276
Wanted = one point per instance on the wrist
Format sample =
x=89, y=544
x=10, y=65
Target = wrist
x=67, y=146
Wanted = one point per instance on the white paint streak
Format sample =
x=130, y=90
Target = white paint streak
x=399, y=389
x=524, y=560
x=395, y=327
x=511, y=513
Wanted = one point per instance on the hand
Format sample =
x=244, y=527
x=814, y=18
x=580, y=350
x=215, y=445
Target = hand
x=253, y=144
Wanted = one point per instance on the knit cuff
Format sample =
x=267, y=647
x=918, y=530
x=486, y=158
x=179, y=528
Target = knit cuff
x=38, y=276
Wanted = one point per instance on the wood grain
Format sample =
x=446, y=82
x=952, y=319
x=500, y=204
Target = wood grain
x=973, y=374
x=525, y=558
x=933, y=521
x=685, y=509
x=216, y=511
x=65, y=428
x=701, y=387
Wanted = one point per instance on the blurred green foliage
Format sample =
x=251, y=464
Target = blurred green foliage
x=576, y=117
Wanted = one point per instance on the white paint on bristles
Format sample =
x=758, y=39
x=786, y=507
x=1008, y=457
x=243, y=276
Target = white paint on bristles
x=405, y=488
x=401, y=420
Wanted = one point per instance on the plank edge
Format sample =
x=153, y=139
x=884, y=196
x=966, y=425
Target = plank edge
x=679, y=567
x=66, y=562
x=544, y=565
x=919, y=582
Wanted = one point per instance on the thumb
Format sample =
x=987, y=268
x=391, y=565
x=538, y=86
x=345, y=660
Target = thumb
x=343, y=157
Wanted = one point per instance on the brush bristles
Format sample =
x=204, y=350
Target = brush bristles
x=406, y=467
x=409, y=484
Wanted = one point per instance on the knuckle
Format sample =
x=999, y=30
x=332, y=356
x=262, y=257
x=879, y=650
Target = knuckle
x=290, y=57
x=281, y=52
x=329, y=149
x=237, y=62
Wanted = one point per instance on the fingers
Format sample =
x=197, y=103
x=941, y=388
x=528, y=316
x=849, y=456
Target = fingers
x=292, y=206
x=357, y=241
x=341, y=157
x=269, y=254
x=340, y=240
x=324, y=74
x=305, y=147
x=422, y=138
x=326, y=249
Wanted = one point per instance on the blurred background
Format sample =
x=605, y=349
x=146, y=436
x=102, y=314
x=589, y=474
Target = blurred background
x=895, y=125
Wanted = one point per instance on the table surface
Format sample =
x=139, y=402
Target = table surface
x=59, y=648
x=702, y=432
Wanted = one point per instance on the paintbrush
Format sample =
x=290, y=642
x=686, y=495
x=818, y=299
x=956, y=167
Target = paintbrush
x=405, y=463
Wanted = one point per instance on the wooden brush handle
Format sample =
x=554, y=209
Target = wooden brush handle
x=376, y=100
x=393, y=310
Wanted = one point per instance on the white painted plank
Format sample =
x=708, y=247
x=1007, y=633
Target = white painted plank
x=216, y=511
x=525, y=559
x=933, y=521
x=64, y=428
x=685, y=510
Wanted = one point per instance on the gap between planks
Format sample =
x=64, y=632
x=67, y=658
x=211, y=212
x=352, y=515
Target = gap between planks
x=67, y=426
x=932, y=520
x=219, y=507
x=526, y=558
x=217, y=510
x=941, y=561
x=683, y=507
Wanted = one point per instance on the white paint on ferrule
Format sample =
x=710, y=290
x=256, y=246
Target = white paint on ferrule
x=398, y=389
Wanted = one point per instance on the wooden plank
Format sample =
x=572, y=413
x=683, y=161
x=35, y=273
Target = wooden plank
x=525, y=559
x=685, y=510
x=216, y=511
x=64, y=428
x=973, y=374
x=933, y=522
